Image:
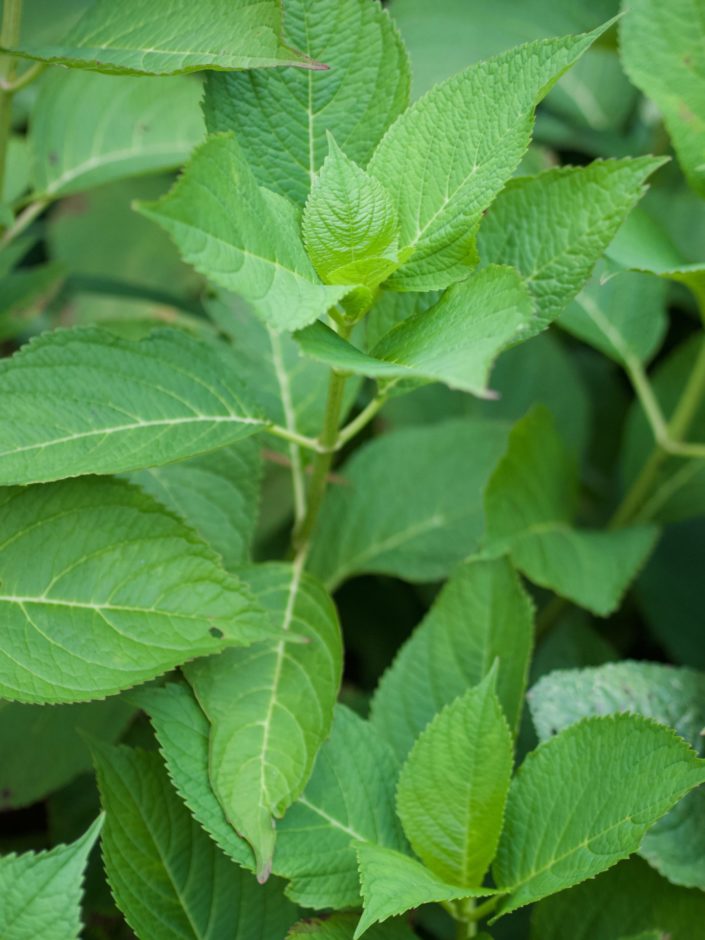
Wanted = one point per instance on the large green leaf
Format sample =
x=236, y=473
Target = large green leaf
x=393, y=883
x=530, y=502
x=554, y=227
x=217, y=494
x=676, y=697
x=43, y=749
x=584, y=800
x=165, y=39
x=481, y=616
x=86, y=130
x=630, y=897
x=168, y=878
x=41, y=892
x=663, y=53
x=453, y=786
x=271, y=705
x=440, y=201
x=103, y=589
x=85, y=401
x=456, y=341
x=411, y=505
x=243, y=238
x=281, y=117
x=342, y=927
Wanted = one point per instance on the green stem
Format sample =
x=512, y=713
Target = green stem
x=487, y=907
x=362, y=420
x=26, y=78
x=25, y=218
x=9, y=36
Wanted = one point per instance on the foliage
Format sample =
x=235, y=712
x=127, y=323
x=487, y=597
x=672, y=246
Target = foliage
x=340, y=409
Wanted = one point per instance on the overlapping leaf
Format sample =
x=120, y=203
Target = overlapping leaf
x=342, y=927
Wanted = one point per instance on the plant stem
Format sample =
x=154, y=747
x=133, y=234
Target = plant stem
x=23, y=220
x=9, y=36
x=361, y=421
x=26, y=78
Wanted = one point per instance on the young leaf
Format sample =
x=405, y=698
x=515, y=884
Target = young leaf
x=662, y=53
x=349, y=224
x=130, y=39
x=243, y=238
x=555, y=226
x=342, y=927
x=583, y=800
x=453, y=786
x=102, y=589
x=456, y=341
x=440, y=201
x=41, y=892
x=168, y=878
x=529, y=504
x=271, y=706
x=629, y=897
x=393, y=883
x=44, y=749
x=281, y=118
x=481, y=616
x=350, y=797
x=86, y=401
x=411, y=505
x=217, y=494
x=86, y=130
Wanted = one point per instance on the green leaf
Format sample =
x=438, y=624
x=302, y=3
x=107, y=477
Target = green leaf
x=86, y=130
x=440, y=201
x=281, y=118
x=570, y=815
x=530, y=501
x=101, y=589
x=624, y=317
x=453, y=786
x=675, y=697
x=243, y=238
x=630, y=897
x=555, y=226
x=44, y=749
x=342, y=927
x=168, y=878
x=85, y=401
x=481, y=616
x=217, y=494
x=393, y=883
x=350, y=796
x=24, y=295
x=662, y=52
x=456, y=341
x=41, y=892
x=271, y=706
x=129, y=38
x=349, y=224
x=411, y=505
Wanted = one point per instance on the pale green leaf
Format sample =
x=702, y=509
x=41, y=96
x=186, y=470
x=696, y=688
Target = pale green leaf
x=477, y=126
x=271, y=705
x=165, y=39
x=456, y=341
x=281, y=117
x=217, y=494
x=393, y=883
x=243, y=238
x=630, y=897
x=453, y=786
x=349, y=224
x=481, y=616
x=85, y=401
x=24, y=295
x=168, y=878
x=86, y=129
x=43, y=749
x=411, y=505
x=530, y=503
x=623, y=317
x=675, y=697
x=342, y=927
x=584, y=800
x=102, y=589
x=554, y=227
x=391, y=307
x=663, y=52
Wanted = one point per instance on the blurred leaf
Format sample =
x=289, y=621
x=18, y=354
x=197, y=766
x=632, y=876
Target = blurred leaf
x=342, y=927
